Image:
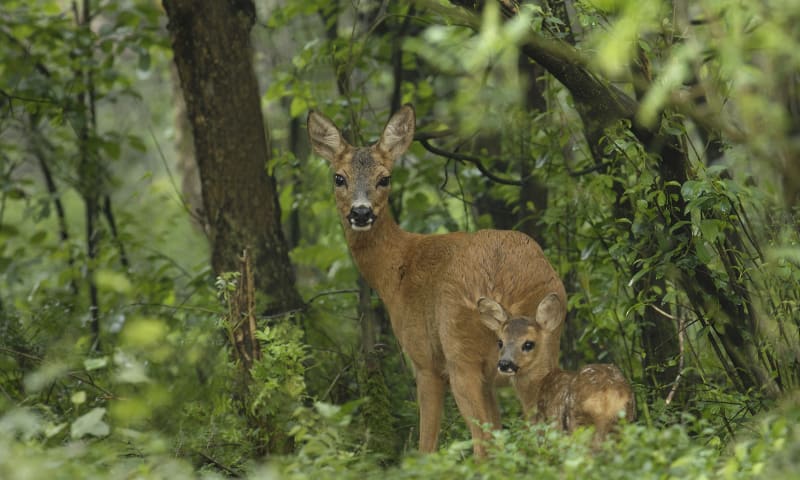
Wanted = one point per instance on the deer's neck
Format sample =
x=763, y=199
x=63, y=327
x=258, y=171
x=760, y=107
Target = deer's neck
x=379, y=252
x=533, y=385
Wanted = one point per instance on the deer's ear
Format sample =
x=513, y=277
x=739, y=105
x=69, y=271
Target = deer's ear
x=399, y=132
x=326, y=140
x=492, y=314
x=550, y=313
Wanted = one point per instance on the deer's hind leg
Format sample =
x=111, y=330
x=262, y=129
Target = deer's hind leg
x=430, y=396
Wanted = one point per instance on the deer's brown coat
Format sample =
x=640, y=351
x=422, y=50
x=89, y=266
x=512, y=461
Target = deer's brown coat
x=595, y=395
x=430, y=283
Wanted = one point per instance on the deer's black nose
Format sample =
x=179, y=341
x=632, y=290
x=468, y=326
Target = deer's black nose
x=507, y=366
x=361, y=216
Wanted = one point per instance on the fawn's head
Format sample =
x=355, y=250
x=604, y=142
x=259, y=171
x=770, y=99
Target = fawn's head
x=361, y=175
x=524, y=341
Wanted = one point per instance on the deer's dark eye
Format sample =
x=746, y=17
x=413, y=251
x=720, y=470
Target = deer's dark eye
x=384, y=181
x=528, y=346
x=499, y=344
x=339, y=180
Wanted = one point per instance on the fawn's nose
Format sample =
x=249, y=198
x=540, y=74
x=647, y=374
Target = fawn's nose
x=361, y=216
x=507, y=366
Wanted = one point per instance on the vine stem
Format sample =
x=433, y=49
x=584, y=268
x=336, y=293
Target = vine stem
x=681, y=334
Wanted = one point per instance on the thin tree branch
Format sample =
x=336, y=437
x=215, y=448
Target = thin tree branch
x=112, y=224
x=473, y=160
x=330, y=292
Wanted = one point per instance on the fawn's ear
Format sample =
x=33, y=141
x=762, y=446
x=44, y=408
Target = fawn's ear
x=326, y=140
x=550, y=313
x=399, y=132
x=492, y=314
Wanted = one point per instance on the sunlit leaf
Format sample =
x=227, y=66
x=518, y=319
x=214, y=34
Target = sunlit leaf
x=298, y=106
x=79, y=397
x=144, y=331
x=90, y=423
x=112, y=281
x=95, y=363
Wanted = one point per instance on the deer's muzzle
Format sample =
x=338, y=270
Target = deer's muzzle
x=361, y=217
x=507, y=367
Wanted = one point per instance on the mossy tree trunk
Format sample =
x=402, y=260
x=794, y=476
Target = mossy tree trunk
x=213, y=55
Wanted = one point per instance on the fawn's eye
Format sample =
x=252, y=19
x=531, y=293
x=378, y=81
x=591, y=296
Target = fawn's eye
x=384, y=181
x=528, y=346
x=499, y=344
x=339, y=180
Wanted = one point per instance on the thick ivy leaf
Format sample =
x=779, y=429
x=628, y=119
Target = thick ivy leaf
x=90, y=424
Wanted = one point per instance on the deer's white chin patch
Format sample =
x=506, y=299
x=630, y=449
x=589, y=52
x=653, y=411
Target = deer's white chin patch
x=358, y=228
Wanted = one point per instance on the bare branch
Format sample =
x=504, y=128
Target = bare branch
x=473, y=160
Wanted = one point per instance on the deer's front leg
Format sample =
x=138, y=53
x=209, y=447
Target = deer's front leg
x=430, y=396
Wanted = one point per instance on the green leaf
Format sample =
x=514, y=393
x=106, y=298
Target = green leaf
x=78, y=398
x=132, y=373
x=711, y=229
x=95, y=363
x=54, y=429
x=691, y=189
x=661, y=199
x=112, y=281
x=703, y=252
x=299, y=105
x=90, y=424
x=144, y=331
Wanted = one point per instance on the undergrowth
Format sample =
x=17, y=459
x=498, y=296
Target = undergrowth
x=767, y=447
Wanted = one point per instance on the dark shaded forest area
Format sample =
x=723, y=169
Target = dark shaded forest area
x=177, y=299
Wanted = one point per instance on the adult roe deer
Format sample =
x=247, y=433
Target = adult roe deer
x=594, y=395
x=430, y=283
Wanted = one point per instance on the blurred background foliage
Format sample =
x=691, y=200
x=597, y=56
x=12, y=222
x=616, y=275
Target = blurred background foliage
x=650, y=147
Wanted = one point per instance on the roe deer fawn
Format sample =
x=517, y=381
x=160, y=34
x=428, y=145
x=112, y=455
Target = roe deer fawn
x=594, y=395
x=430, y=283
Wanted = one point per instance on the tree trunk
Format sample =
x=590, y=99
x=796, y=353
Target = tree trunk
x=212, y=50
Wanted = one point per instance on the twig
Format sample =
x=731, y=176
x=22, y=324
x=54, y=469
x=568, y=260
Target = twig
x=88, y=380
x=473, y=160
x=112, y=224
x=183, y=202
x=330, y=292
x=420, y=136
x=225, y=468
x=334, y=382
x=681, y=361
x=173, y=307
x=593, y=168
x=662, y=312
